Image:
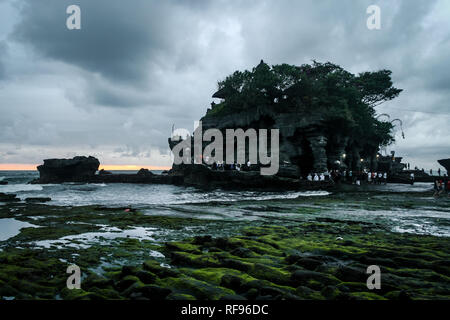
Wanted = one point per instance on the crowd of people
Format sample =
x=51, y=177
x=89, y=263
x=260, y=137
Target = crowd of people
x=221, y=166
x=442, y=186
x=350, y=177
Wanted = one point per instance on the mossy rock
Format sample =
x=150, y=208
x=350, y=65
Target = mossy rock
x=352, y=286
x=156, y=268
x=126, y=282
x=237, y=264
x=194, y=260
x=146, y=277
x=366, y=296
x=180, y=296
x=272, y=274
x=303, y=277
x=183, y=246
x=199, y=289
x=75, y=294
x=154, y=292
x=217, y=275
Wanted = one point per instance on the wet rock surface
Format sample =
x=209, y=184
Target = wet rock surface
x=203, y=177
x=8, y=197
x=38, y=199
x=278, y=258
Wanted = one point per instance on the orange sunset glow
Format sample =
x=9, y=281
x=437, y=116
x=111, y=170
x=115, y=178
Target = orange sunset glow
x=31, y=167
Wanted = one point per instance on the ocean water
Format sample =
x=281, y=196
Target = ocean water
x=431, y=217
x=123, y=195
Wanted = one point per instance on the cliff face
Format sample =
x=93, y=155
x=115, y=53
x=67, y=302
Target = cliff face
x=445, y=163
x=305, y=141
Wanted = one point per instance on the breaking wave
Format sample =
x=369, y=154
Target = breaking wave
x=20, y=188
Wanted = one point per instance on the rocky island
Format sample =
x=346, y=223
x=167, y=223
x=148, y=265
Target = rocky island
x=325, y=114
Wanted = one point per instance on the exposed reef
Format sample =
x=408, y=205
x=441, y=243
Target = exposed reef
x=8, y=197
x=315, y=259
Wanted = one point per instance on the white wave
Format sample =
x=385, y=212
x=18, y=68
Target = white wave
x=20, y=187
x=293, y=195
x=250, y=196
x=99, y=184
x=1, y=178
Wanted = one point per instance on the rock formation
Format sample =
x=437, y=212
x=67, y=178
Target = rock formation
x=446, y=164
x=324, y=114
x=8, y=197
x=201, y=176
x=83, y=169
x=104, y=172
x=67, y=170
x=38, y=200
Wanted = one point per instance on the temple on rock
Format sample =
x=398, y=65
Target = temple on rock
x=325, y=115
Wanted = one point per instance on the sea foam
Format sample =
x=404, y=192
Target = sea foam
x=20, y=187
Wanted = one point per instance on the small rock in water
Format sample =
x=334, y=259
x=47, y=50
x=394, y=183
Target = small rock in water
x=3, y=183
x=38, y=200
x=8, y=197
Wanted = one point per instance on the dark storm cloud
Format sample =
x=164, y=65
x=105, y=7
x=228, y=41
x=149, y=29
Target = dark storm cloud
x=136, y=67
x=116, y=39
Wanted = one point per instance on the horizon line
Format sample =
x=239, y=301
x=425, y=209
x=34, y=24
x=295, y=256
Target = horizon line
x=111, y=167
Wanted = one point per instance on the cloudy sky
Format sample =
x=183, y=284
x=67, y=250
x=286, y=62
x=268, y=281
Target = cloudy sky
x=114, y=88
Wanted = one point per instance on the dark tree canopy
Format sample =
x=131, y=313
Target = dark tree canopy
x=346, y=100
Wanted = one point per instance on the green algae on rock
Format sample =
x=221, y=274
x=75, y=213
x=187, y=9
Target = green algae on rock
x=305, y=256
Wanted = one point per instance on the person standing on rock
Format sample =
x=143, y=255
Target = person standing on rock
x=385, y=178
x=309, y=177
x=436, y=188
